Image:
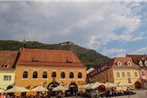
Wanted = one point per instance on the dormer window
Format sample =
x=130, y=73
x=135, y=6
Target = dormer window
x=68, y=60
x=119, y=63
x=142, y=58
x=129, y=63
x=145, y=63
x=140, y=63
x=5, y=66
x=35, y=59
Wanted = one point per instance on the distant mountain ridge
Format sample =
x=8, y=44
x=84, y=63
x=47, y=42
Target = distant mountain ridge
x=89, y=57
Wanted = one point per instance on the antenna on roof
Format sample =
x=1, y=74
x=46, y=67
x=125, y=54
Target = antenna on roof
x=24, y=42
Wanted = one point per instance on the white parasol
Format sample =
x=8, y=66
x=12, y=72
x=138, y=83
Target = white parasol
x=17, y=89
x=59, y=88
x=39, y=89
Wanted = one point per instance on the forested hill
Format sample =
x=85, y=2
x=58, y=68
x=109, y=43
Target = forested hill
x=88, y=57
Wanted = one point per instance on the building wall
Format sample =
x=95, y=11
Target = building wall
x=5, y=83
x=104, y=76
x=144, y=77
x=66, y=81
x=100, y=77
x=109, y=75
x=132, y=79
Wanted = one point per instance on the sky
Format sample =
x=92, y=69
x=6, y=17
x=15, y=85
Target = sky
x=111, y=28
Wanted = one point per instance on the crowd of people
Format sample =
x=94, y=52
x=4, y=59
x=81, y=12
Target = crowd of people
x=109, y=92
x=37, y=95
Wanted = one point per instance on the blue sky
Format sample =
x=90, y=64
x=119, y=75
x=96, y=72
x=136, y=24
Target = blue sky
x=111, y=28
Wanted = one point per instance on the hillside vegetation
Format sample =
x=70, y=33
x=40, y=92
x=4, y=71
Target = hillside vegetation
x=89, y=57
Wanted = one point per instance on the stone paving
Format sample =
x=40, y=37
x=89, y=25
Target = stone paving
x=139, y=94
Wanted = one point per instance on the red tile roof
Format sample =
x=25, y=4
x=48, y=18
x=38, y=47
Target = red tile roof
x=137, y=58
x=113, y=64
x=7, y=60
x=35, y=57
x=124, y=62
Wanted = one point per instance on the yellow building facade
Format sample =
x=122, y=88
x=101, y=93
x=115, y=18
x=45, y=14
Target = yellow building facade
x=40, y=80
x=7, y=71
x=119, y=69
x=6, y=79
x=49, y=68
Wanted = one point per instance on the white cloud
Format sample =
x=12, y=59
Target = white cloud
x=140, y=51
x=4, y=7
x=114, y=52
x=92, y=25
x=81, y=0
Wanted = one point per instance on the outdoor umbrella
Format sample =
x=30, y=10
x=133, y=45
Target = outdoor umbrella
x=96, y=84
x=39, y=89
x=89, y=86
x=2, y=91
x=124, y=84
x=109, y=84
x=59, y=88
x=84, y=86
x=102, y=87
x=17, y=89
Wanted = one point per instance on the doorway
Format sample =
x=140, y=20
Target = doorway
x=138, y=85
x=73, y=88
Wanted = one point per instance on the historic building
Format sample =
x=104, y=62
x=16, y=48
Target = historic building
x=118, y=69
x=49, y=68
x=141, y=61
x=7, y=71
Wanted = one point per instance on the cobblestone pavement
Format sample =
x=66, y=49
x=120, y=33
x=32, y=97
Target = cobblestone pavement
x=139, y=94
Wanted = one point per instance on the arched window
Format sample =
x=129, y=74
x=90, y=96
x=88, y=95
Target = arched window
x=79, y=75
x=62, y=74
x=25, y=74
x=35, y=74
x=44, y=75
x=71, y=75
x=53, y=74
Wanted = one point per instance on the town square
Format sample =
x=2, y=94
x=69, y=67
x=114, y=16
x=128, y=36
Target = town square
x=73, y=49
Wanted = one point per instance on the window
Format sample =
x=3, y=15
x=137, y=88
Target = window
x=62, y=75
x=129, y=63
x=118, y=74
x=123, y=74
x=140, y=63
x=119, y=63
x=142, y=73
x=35, y=74
x=68, y=60
x=25, y=74
x=128, y=74
x=79, y=75
x=136, y=74
x=44, y=75
x=7, y=78
x=5, y=66
x=53, y=74
x=145, y=63
x=71, y=75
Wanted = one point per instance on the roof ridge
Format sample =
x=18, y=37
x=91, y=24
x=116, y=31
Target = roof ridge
x=47, y=50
